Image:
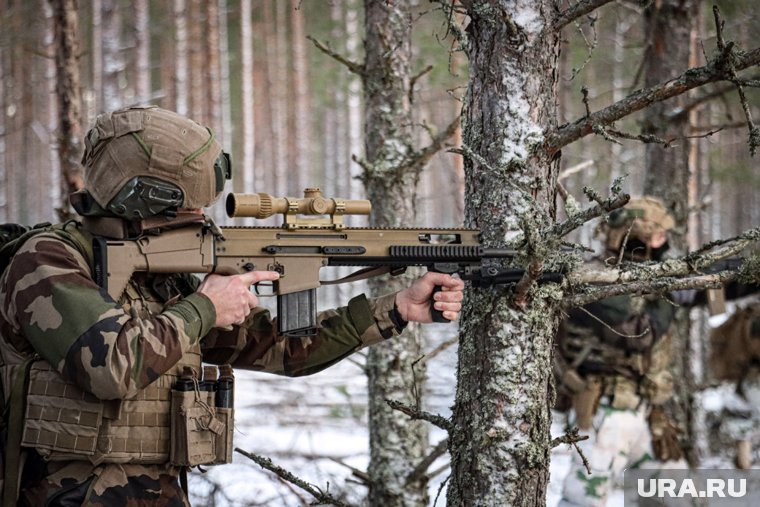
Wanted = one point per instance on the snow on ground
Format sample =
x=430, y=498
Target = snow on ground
x=311, y=425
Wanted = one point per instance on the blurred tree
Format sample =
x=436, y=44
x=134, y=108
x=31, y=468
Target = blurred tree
x=396, y=443
x=68, y=91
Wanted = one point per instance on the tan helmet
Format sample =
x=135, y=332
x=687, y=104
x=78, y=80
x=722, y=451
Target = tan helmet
x=142, y=161
x=638, y=220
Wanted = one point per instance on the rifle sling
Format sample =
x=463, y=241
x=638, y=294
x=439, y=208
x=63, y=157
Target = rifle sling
x=362, y=274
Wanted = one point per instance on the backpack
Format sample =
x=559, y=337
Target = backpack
x=12, y=238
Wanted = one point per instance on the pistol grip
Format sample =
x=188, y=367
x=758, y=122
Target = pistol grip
x=437, y=314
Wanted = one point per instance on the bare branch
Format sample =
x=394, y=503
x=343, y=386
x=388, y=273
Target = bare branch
x=362, y=476
x=414, y=80
x=653, y=286
x=453, y=26
x=354, y=67
x=727, y=50
x=581, y=8
x=670, y=275
x=590, y=46
x=421, y=469
x=418, y=159
x=440, y=348
x=414, y=413
x=561, y=229
x=571, y=437
x=323, y=497
x=638, y=100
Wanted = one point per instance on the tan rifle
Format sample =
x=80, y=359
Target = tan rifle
x=313, y=235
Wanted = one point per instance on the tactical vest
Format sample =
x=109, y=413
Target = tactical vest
x=620, y=355
x=63, y=422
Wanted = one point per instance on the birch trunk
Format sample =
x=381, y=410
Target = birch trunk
x=500, y=437
x=397, y=443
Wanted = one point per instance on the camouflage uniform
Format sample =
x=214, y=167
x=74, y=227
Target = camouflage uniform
x=735, y=358
x=52, y=307
x=612, y=367
x=91, y=351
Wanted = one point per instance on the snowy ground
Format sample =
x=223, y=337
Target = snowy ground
x=316, y=428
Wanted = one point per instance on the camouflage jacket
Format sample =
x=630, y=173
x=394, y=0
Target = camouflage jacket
x=625, y=342
x=52, y=307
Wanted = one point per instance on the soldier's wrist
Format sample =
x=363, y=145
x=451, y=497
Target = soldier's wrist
x=198, y=312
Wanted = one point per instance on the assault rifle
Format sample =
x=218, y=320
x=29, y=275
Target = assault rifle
x=313, y=235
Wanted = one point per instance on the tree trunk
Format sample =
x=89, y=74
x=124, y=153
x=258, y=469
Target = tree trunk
x=180, y=78
x=246, y=69
x=670, y=25
x=355, y=189
x=302, y=172
x=96, y=68
x=397, y=444
x=113, y=60
x=4, y=215
x=69, y=98
x=224, y=69
x=142, y=52
x=500, y=437
x=198, y=62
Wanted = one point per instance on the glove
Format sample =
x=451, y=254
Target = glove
x=665, y=442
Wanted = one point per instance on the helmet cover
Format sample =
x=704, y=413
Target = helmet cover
x=154, y=146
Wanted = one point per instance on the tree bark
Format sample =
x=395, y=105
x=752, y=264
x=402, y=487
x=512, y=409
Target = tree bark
x=670, y=25
x=499, y=442
x=397, y=444
x=69, y=96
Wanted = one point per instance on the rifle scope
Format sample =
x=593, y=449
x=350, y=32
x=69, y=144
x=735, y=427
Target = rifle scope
x=312, y=203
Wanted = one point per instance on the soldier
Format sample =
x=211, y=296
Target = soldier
x=612, y=364
x=101, y=378
x=735, y=358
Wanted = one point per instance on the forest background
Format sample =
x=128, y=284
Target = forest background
x=292, y=117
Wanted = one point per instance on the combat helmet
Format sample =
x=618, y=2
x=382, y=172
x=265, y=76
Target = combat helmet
x=146, y=161
x=633, y=226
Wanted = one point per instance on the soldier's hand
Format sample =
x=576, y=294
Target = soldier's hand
x=665, y=443
x=414, y=303
x=231, y=295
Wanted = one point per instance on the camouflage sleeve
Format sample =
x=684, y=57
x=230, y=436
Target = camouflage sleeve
x=256, y=346
x=50, y=298
x=657, y=383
